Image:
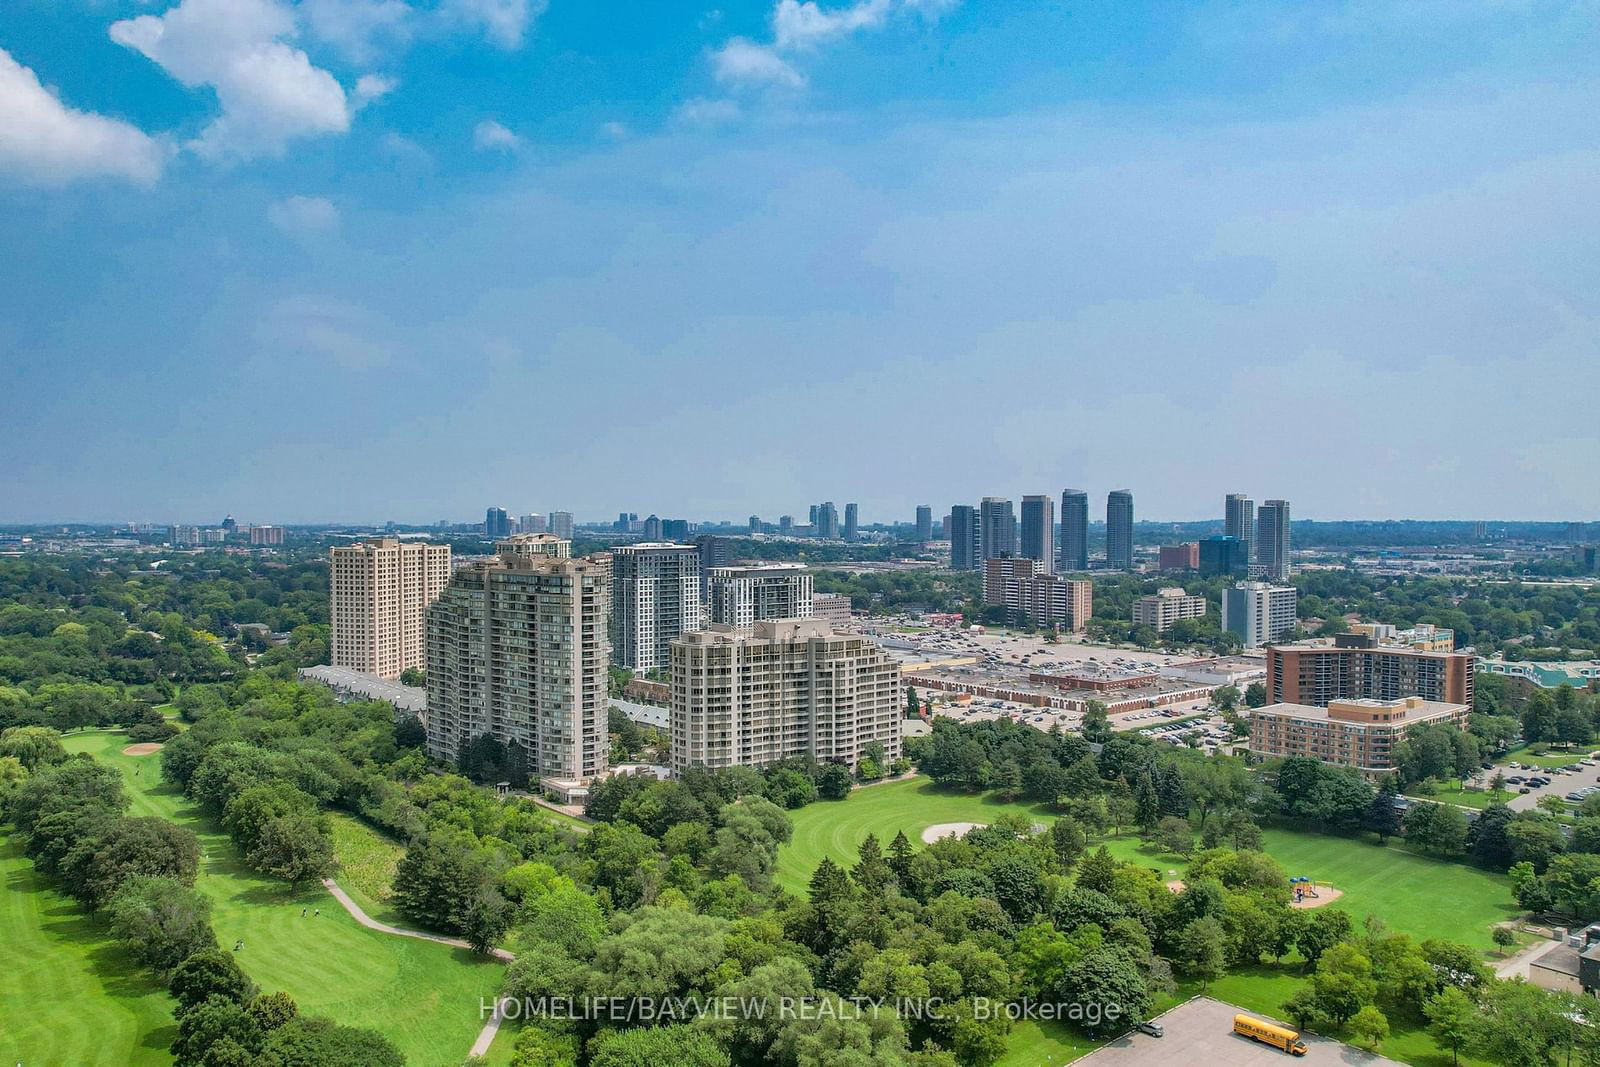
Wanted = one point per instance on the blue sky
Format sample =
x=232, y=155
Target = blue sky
x=373, y=259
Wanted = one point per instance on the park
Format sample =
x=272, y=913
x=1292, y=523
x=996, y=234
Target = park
x=1409, y=893
x=81, y=1001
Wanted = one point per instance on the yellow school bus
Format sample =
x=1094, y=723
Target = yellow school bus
x=1268, y=1034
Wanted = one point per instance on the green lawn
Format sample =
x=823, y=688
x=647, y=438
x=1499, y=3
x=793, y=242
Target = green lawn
x=67, y=995
x=836, y=827
x=421, y=995
x=1402, y=888
x=1524, y=755
x=1451, y=793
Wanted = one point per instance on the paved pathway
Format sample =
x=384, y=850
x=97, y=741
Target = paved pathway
x=480, y=1047
x=1516, y=965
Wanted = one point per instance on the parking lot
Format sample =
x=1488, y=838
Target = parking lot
x=1199, y=1033
x=1561, y=782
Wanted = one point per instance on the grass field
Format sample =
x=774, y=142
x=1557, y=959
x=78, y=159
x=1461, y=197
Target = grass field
x=422, y=996
x=1554, y=758
x=1452, y=793
x=97, y=1005
x=836, y=827
x=1416, y=894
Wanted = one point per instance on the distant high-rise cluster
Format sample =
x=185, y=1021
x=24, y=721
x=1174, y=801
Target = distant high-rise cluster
x=496, y=523
x=924, y=523
x=1262, y=536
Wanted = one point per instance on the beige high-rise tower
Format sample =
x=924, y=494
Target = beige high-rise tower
x=379, y=589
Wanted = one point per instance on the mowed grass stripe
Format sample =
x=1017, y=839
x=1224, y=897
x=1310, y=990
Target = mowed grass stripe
x=68, y=996
x=421, y=995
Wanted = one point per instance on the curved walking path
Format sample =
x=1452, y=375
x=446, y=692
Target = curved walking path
x=480, y=1047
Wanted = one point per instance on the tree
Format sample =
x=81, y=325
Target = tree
x=1503, y=937
x=1255, y=695
x=1450, y=1015
x=413, y=677
x=33, y=746
x=293, y=848
x=1382, y=817
x=210, y=973
x=1175, y=835
x=1324, y=928
x=311, y=1042
x=834, y=782
x=1106, y=977
x=212, y=1022
x=1226, y=697
x=1096, y=727
x=1147, y=805
x=272, y=1010
x=128, y=847
x=488, y=918
x=1202, y=948
x=161, y=921
x=1098, y=871
x=1343, y=982
x=1369, y=1027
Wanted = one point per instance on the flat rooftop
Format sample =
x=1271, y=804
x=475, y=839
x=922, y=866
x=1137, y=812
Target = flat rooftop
x=1420, y=710
x=345, y=681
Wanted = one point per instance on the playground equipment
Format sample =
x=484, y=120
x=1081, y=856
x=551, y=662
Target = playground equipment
x=1303, y=888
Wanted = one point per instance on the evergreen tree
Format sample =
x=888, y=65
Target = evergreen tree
x=1147, y=804
x=871, y=871
x=1382, y=818
x=1097, y=871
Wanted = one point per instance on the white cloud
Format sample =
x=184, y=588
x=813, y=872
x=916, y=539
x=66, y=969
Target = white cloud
x=361, y=29
x=44, y=140
x=490, y=136
x=743, y=62
x=504, y=22
x=370, y=87
x=615, y=131
x=707, y=111
x=805, y=25
x=303, y=214
x=269, y=91
x=802, y=26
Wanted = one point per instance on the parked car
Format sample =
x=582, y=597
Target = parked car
x=1153, y=1029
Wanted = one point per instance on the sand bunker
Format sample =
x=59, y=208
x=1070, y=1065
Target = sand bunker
x=142, y=749
x=948, y=829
